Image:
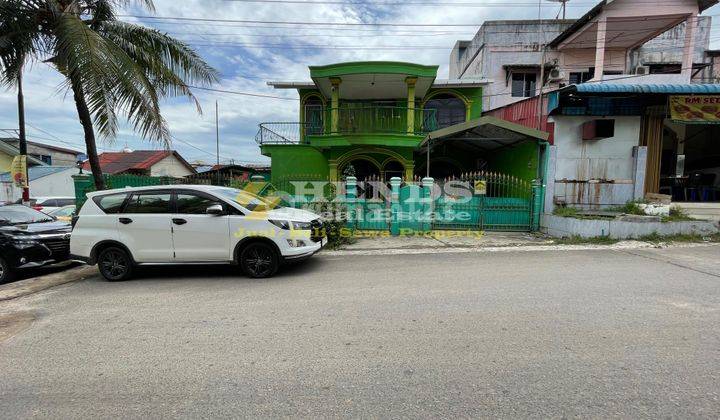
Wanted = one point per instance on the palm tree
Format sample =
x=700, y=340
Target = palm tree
x=111, y=67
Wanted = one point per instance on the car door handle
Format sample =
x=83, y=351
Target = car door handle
x=125, y=220
x=179, y=221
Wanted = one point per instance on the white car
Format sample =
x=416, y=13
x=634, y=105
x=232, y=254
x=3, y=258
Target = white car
x=48, y=204
x=191, y=224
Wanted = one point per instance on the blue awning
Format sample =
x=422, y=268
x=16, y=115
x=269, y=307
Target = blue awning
x=675, y=89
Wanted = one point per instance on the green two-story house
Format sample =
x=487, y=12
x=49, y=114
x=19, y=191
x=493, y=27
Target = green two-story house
x=379, y=117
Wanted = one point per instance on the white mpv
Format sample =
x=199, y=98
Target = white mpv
x=190, y=224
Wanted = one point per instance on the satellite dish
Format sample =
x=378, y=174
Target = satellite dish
x=563, y=5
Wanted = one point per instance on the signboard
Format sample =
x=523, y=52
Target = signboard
x=695, y=109
x=480, y=187
x=18, y=170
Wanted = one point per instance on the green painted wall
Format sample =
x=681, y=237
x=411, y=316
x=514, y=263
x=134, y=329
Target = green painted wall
x=295, y=161
x=520, y=161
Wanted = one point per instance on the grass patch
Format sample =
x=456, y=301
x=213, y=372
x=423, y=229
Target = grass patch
x=677, y=214
x=579, y=240
x=656, y=238
x=566, y=211
x=631, y=207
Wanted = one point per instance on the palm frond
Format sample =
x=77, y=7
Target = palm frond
x=169, y=63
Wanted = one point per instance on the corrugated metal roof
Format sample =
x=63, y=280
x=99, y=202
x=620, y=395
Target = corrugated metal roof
x=646, y=88
x=36, y=172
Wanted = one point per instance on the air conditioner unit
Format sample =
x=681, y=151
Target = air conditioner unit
x=642, y=70
x=555, y=75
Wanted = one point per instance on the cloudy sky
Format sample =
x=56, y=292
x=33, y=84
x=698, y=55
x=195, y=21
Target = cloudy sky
x=249, y=55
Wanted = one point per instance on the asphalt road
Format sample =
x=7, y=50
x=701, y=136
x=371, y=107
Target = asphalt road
x=509, y=334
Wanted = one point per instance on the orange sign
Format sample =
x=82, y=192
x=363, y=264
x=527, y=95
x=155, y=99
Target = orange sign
x=695, y=109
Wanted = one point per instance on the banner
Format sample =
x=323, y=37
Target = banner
x=18, y=170
x=695, y=109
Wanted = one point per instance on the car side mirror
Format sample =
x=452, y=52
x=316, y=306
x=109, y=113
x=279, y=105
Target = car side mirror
x=215, y=210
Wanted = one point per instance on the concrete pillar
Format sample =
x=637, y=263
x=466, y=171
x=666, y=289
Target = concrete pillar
x=600, y=48
x=334, y=176
x=409, y=171
x=550, y=179
x=395, y=205
x=411, y=81
x=334, y=104
x=427, y=202
x=689, y=47
x=351, y=200
x=639, y=168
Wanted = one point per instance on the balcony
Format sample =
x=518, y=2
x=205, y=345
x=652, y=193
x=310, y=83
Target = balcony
x=349, y=120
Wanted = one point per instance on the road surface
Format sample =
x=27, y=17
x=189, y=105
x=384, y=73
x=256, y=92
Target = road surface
x=609, y=333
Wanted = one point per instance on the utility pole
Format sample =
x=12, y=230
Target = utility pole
x=217, y=141
x=21, y=136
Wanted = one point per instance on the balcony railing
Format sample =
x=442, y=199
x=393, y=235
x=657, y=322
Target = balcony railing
x=350, y=120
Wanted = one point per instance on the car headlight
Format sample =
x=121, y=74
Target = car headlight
x=282, y=224
x=302, y=225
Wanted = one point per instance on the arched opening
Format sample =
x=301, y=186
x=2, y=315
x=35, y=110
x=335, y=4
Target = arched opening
x=393, y=168
x=314, y=115
x=361, y=168
x=449, y=109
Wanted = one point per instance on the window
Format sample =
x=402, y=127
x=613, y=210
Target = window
x=44, y=158
x=50, y=202
x=523, y=84
x=149, y=203
x=65, y=202
x=110, y=204
x=576, y=78
x=188, y=203
x=313, y=116
x=449, y=110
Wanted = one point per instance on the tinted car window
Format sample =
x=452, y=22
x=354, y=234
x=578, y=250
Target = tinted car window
x=65, y=202
x=19, y=214
x=50, y=202
x=110, y=203
x=188, y=203
x=149, y=203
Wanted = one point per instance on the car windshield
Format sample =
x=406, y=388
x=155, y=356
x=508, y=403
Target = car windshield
x=18, y=214
x=63, y=211
x=248, y=200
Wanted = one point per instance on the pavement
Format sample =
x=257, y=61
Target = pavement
x=632, y=333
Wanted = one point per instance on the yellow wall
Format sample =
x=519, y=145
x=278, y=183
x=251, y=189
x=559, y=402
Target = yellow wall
x=5, y=161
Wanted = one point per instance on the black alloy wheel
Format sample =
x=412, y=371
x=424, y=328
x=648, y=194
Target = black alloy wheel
x=115, y=264
x=259, y=260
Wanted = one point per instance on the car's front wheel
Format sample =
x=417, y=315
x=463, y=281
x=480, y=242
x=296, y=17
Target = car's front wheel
x=7, y=273
x=259, y=260
x=115, y=264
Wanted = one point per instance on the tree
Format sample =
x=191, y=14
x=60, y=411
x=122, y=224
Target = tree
x=111, y=67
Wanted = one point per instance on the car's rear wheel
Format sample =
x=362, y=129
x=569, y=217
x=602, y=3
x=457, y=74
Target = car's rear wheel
x=259, y=260
x=115, y=264
x=7, y=273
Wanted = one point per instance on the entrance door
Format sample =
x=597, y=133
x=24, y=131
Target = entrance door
x=144, y=226
x=198, y=236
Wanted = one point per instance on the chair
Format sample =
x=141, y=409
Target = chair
x=693, y=186
x=708, y=192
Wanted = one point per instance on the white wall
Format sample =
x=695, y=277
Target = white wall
x=595, y=172
x=59, y=184
x=170, y=166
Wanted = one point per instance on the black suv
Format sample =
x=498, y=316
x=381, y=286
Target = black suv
x=29, y=238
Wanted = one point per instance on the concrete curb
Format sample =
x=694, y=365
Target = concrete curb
x=623, y=245
x=33, y=285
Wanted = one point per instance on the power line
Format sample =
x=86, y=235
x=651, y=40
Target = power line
x=243, y=93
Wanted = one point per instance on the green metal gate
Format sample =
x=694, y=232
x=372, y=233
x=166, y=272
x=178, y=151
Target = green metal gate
x=496, y=202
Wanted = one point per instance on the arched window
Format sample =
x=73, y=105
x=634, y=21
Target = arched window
x=449, y=110
x=314, y=115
